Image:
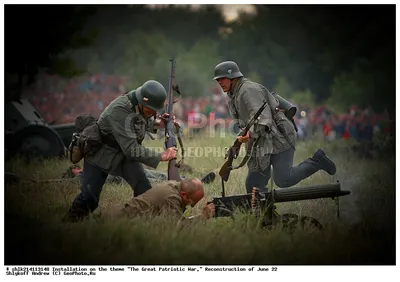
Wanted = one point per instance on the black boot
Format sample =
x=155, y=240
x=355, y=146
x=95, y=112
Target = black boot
x=72, y=216
x=326, y=164
x=210, y=177
x=75, y=214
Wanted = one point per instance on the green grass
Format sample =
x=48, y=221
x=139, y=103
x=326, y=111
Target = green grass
x=364, y=233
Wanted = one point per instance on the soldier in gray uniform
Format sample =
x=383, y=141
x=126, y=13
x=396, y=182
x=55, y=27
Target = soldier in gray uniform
x=122, y=126
x=271, y=146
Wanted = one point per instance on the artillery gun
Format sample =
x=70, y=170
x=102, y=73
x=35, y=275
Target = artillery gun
x=29, y=135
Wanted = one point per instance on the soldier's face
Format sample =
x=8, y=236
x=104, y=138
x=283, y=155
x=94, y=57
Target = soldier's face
x=192, y=199
x=196, y=197
x=147, y=112
x=224, y=83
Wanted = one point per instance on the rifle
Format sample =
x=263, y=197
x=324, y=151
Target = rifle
x=170, y=140
x=262, y=204
x=233, y=151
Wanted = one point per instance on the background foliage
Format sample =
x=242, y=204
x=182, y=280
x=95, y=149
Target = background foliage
x=341, y=54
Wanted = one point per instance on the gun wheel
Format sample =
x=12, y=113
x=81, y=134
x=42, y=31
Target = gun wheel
x=37, y=141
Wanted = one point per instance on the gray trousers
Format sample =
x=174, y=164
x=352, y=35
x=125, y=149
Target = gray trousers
x=284, y=173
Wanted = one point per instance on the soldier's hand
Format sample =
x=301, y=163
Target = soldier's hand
x=157, y=124
x=208, y=211
x=166, y=115
x=244, y=139
x=169, y=154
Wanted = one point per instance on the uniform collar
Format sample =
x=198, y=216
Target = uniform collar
x=132, y=98
x=231, y=93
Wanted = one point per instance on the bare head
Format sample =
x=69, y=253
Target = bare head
x=191, y=191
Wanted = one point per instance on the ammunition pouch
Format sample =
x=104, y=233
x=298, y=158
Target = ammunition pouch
x=86, y=141
x=109, y=140
x=91, y=139
x=283, y=123
x=285, y=127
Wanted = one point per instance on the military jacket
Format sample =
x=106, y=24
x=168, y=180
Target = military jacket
x=162, y=199
x=245, y=100
x=123, y=129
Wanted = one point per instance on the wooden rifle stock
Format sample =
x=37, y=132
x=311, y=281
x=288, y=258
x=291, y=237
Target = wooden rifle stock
x=225, y=170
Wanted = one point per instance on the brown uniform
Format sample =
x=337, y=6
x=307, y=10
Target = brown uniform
x=162, y=199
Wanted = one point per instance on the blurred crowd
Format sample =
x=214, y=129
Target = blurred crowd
x=60, y=101
x=361, y=124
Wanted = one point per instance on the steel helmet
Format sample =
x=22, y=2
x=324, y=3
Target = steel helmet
x=152, y=94
x=227, y=69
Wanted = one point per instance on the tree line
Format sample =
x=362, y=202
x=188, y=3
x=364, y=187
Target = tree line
x=334, y=54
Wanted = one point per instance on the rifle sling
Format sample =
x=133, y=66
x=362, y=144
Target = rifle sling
x=247, y=157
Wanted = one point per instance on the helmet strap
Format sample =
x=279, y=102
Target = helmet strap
x=230, y=86
x=135, y=102
x=140, y=107
x=134, y=99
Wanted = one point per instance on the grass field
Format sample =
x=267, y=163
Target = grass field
x=363, y=234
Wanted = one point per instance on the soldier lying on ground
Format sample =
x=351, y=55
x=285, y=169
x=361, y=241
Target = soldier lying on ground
x=168, y=198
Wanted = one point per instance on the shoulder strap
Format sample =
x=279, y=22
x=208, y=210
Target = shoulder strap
x=248, y=155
